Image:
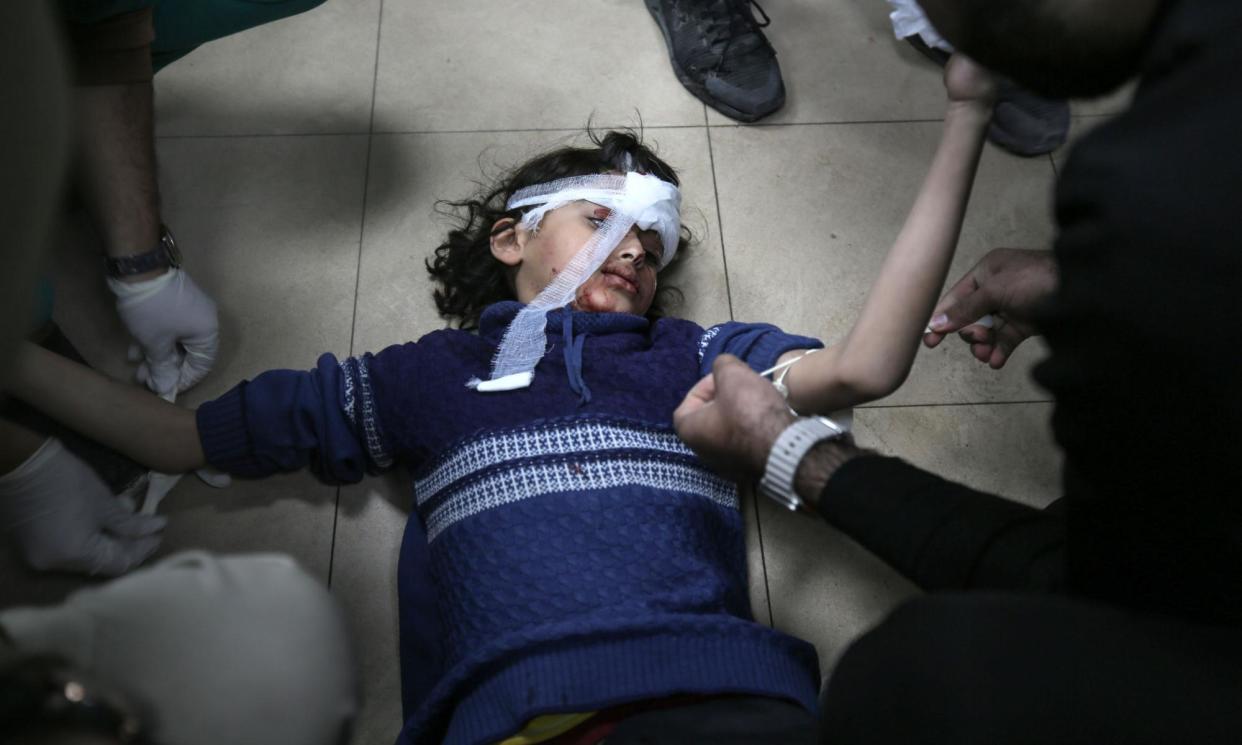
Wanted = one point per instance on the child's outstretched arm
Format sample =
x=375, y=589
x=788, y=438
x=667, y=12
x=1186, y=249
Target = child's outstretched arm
x=875, y=357
x=329, y=419
x=130, y=420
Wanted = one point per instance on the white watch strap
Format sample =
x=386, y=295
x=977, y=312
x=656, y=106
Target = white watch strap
x=787, y=452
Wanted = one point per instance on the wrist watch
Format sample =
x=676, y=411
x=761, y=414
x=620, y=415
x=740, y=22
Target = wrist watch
x=787, y=452
x=165, y=254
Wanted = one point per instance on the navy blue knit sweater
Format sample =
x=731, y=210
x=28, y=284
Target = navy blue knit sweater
x=569, y=553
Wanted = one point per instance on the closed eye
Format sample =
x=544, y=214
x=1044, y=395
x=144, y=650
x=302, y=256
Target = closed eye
x=652, y=246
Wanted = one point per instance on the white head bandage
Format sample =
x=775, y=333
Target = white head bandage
x=632, y=199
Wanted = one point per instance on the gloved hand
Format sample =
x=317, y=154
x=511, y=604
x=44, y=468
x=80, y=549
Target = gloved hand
x=63, y=516
x=176, y=326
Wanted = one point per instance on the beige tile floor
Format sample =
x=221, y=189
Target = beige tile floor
x=299, y=163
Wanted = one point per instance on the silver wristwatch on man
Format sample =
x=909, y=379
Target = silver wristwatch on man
x=788, y=451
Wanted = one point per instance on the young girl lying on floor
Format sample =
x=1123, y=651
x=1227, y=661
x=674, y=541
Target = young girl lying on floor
x=569, y=555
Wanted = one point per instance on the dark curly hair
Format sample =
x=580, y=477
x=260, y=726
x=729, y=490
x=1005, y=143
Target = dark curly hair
x=470, y=278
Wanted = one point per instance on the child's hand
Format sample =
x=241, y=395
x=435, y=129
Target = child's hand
x=968, y=82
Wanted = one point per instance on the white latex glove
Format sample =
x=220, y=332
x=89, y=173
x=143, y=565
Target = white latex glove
x=63, y=516
x=175, y=324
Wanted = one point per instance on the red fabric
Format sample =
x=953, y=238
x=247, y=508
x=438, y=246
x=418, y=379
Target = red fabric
x=595, y=729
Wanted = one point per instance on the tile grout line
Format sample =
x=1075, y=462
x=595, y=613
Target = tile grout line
x=362, y=227
x=959, y=403
x=366, y=179
x=336, y=517
x=258, y=135
x=408, y=132
x=711, y=158
x=763, y=559
x=709, y=127
x=825, y=123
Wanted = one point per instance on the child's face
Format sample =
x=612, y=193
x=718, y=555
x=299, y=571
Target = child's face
x=626, y=283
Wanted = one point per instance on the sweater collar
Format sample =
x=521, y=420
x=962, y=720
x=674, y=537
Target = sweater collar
x=496, y=318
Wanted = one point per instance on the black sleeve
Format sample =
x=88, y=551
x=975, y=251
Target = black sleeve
x=942, y=535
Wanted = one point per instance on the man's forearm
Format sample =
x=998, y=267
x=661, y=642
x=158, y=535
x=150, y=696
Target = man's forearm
x=130, y=420
x=116, y=136
x=939, y=534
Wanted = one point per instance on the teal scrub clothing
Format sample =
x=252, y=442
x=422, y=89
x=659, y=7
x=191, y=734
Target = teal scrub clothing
x=182, y=25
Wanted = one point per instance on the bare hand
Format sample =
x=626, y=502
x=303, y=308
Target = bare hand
x=1008, y=283
x=731, y=418
x=966, y=81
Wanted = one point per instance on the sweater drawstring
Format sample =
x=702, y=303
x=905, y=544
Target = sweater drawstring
x=573, y=358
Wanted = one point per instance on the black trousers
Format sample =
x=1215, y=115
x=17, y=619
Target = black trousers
x=734, y=720
x=1007, y=668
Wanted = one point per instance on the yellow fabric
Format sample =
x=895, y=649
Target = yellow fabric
x=545, y=727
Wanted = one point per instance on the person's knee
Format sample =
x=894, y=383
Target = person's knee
x=963, y=668
x=293, y=656
x=220, y=649
x=266, y=653
x=898, y=682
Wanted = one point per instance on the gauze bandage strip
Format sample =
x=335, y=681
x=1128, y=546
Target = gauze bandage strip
x=909, y=19
x=632, y=199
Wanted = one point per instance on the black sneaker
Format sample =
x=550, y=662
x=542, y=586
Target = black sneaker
x=1024, y=123
x=721, y=56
